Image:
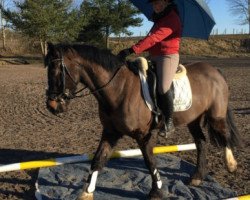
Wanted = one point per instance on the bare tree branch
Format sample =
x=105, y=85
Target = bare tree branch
x=241, y=9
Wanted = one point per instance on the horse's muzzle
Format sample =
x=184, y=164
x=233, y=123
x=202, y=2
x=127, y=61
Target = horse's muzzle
x=56, y=106
x=52, y=104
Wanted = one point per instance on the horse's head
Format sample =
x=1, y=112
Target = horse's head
x=62, y=79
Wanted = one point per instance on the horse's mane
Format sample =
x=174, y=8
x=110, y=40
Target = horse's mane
x=102, y=57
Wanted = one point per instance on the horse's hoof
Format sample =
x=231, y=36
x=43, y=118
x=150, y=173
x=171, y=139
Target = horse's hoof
x=230, y=160
x=195, y=182
x=86, y=196
x=155, y=194
x=232, y=167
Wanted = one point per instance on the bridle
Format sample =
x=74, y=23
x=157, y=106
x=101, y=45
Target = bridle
x=66, y=94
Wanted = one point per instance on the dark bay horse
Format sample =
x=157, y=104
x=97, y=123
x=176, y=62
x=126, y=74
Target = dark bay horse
x=122, y=110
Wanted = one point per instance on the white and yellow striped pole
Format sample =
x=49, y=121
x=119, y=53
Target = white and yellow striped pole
x=87, y=157
x=244, y=197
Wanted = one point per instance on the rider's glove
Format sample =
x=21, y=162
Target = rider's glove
x=124, y=53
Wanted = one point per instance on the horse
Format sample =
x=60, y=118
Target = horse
x=122, y=109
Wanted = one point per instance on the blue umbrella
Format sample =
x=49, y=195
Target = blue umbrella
x=196, y=17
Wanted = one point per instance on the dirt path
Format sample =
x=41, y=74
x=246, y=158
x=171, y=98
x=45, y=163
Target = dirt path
x=29, y=132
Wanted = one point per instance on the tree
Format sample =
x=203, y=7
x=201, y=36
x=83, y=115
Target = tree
x=107, y=17
x=3, y=4
x=2, y=23
x=46, y=20
x=240, y=8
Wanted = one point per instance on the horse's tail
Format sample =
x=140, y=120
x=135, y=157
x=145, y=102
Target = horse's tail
x=218, y=138
x=234, y=139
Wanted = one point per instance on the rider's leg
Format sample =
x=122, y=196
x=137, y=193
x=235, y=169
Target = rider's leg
x=166, y=67
x=167, y=108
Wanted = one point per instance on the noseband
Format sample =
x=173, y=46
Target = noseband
x=66, y=94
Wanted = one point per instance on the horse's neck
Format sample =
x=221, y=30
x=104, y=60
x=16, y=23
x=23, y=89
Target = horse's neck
x=109, y=86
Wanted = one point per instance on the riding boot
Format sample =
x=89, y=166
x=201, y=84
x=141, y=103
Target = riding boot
x=167, y=108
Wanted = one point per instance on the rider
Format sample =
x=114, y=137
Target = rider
x=162, y=43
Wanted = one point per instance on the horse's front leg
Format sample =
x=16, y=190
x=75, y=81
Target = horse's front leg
x=102, y=155
x=146, y=145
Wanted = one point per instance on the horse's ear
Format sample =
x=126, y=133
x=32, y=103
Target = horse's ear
x=50, y=46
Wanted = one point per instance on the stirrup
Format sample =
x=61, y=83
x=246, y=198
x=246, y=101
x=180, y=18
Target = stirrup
x=165, y=134
x=166, y=131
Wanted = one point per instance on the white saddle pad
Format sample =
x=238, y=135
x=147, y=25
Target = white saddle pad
x=145, y=90
x=182, y=93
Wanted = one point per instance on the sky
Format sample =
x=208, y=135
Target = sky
x=223, y=18
x=225, y=22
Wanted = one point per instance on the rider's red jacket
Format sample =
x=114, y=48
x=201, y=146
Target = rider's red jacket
x=164, y=38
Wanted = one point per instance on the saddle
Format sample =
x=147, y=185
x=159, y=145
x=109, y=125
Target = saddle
x=146, y=70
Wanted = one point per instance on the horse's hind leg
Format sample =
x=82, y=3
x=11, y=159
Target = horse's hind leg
x=199, y=138
x=146, y=145
x=102, y=155
x=220, y=136
x=221, y=127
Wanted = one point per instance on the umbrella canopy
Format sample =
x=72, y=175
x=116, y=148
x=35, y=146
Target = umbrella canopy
x=196, y=17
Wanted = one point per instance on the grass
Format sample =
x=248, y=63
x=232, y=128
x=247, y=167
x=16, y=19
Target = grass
x=216, y=46
x=23, y=50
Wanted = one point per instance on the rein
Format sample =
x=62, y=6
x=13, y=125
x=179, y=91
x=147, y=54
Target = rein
x=99, y=89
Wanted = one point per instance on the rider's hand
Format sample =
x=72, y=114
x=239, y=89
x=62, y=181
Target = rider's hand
x=124, y=53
